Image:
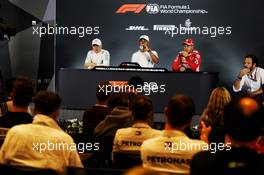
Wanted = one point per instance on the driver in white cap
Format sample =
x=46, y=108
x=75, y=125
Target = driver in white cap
x=145, y=57
x=97, y=56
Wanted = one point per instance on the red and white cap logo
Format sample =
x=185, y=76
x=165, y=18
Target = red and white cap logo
x=188, y=42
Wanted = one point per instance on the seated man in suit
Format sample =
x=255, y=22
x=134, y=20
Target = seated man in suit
x=97, y=113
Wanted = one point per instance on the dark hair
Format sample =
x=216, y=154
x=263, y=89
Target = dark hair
x=46, y=102
x=135, y=81
x=180, y=110
x=22, y=91
x=118, y=99
x=141, y=107
x=101, y=93
x=9, y=86
x=254, y=59
x=243, y=119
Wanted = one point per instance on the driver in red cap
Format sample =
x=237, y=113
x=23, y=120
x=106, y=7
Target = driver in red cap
x=188, y=59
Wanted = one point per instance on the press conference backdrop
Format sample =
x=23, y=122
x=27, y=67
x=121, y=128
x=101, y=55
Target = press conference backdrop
x=223, y=31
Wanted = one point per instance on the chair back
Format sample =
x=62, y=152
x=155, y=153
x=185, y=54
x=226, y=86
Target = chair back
x=126, y=160
x=22, y=170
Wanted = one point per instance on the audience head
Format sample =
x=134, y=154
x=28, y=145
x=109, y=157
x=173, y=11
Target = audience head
x=135, y=81
x=243, y=119
x=22, y=91
x=217, y=101
x=47, y=103
x=142, y=108
x=143, y=171
x=118, y=99
x=101, y=94
x=179, y=111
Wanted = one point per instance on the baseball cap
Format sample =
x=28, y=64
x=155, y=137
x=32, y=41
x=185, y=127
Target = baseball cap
x=97, y=41
x=144, y=37
x=188, y=42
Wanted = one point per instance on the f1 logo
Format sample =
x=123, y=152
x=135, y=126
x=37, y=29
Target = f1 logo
x=136, y=8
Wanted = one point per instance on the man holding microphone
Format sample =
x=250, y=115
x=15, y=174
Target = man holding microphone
x=145, y=57
x=188, y=60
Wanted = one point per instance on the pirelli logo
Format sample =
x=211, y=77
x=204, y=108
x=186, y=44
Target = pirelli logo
x=135, y=8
